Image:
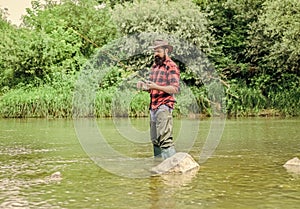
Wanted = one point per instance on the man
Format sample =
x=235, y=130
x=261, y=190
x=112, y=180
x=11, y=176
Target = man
x=162, y=85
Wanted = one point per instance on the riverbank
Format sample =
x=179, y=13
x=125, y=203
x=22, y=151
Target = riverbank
x=50, y=102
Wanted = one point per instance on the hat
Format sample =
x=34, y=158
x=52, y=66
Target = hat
x=161, y=43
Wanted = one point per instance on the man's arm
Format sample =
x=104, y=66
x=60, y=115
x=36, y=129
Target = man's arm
x=168, y=89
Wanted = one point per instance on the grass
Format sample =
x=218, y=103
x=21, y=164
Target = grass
x=49, y=102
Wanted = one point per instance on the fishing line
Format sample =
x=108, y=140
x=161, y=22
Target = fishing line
x=114, y=58
x=135, y=73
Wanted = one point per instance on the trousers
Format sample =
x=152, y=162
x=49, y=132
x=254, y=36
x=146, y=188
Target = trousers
x=161, y=127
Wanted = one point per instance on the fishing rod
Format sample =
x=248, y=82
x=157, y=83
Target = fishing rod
x=135, y=74
x=110, y=55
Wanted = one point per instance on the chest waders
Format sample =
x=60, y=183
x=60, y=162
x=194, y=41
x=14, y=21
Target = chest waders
x=161, y=132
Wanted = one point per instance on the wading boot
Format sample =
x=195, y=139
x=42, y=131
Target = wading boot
x=168, y=152
x=156, y=151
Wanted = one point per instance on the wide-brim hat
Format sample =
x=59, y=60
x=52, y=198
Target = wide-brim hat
x=161, y=43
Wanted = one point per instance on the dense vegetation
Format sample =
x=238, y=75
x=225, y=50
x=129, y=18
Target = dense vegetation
x=98, y=49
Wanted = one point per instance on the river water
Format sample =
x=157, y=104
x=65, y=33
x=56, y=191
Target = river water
x=245, y=170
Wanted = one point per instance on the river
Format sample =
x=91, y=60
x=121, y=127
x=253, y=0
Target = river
x=244, y=171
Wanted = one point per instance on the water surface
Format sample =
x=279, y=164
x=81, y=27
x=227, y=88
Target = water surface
x=245, y=171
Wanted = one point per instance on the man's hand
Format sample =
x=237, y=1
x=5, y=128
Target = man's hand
x=152, y=85
x=142, y=86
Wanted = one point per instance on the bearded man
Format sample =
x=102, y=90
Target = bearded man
x=162, y=85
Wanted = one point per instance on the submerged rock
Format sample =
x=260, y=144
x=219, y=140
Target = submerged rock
x=179, y=163
x=179, y=179
x=293, y=165
x=55, y=176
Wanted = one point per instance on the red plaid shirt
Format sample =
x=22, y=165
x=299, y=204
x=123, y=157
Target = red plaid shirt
x=165, y=75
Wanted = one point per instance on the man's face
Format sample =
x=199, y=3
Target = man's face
x=159, y=56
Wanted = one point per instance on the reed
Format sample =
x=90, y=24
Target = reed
x=288, y=102
x=126, y=103
x=50, y=102
x=37, y=102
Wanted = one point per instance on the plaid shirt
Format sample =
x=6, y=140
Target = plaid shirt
x=165, y=75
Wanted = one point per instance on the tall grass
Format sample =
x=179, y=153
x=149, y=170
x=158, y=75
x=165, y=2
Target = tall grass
x=49, y=102
x=43, y=101
x=248, y=102
x=288, y=102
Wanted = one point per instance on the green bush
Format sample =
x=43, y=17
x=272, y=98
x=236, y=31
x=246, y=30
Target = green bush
x=34, y=57
x=274, y=39
x=52, y=41
x=182, y=19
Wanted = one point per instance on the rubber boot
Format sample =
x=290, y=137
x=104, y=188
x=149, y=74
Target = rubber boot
x=168, y=152
x=156, y=151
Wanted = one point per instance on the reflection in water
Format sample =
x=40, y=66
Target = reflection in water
x=21, y=172
x=161, y=196
x=164, y=187
x=178, y=180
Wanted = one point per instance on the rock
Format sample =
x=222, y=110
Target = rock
x=56, y=176
x=179, y=163
x=295, y=161
x=293, y=165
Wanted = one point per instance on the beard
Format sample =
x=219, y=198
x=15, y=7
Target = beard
x=159, y=60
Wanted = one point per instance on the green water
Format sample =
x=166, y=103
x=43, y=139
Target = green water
x=245, y=171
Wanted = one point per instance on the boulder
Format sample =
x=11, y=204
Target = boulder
x=179, y=163
x=55, y=176
x=295, y=161
x=293, y=165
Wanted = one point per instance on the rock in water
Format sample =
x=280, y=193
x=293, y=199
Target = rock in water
x=179, y=163
x=295, y=161
x=56, y=176
x=293, y=165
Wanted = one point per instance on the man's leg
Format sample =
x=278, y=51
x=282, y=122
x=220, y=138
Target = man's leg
x=164, y=131
x=153, y=135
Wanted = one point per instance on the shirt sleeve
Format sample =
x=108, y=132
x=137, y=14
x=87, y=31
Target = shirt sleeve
x=174, y=76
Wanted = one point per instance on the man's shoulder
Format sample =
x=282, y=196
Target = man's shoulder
x=169, y=62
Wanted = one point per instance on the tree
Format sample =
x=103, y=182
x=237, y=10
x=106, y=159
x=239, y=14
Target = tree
x=230, y=22
x=274, y=40
x=54, y=40
x=87, y=19
x=180, y=22
x=274, y=47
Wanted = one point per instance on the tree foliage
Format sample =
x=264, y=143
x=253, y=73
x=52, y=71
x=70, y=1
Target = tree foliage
x=181, y=19
x=55, y=40
x=274, y=41
x=274, y=49
x=86, y=19
x=259, y=51
x=180, y=22
x=230, y=22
